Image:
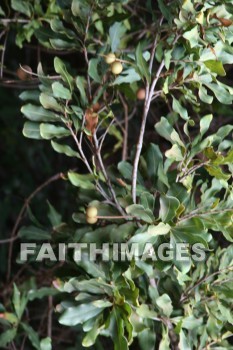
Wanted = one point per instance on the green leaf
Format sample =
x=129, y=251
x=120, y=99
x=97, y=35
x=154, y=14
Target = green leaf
x=167, y=58
x=126, y=170
x=188, y=6
x=154, y=162
x=60, y=44
x=168, y=207
x=54, y=217
x=191, y=231
x=142, y=65
x=179, y=109
x=93, y=70
x=32, y=335
x=30, y=95
x=91, y=286
x=79, y=314
x=153, y=158
x=174, y=153
x=221, y=93
x=120, y=342
x=147, y=338
x=159, y=230
x=127, y=76
x=7, y=337
x=192, y=36
x=215, y=67
x=165, y=342
x=19, y=302
x=2, y=13
x=147, y=200
x=22, y=6
x=46, y=344
x=64, y=149
x=165, y=304
x=92, y=268
x=49, y=102
x=164, y=129
x=91, y=336
x=83, y=181
x=184, y=343
x=217, y=172
x=205, y=123
x=144, y=312
x=41, y=293
x=226, y=312
x=61, y=69
x=48, y=131
x=34, y=233
x=59, y=91
x=139, y=212
x=81, y=83
x=116, y=31
x=202, y=92
x=165, y=11
x=80, y=8
x=58, y=27
x=38, y=114
x=32, y=130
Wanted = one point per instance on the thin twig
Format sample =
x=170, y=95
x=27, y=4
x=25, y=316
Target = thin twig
x=84, y=159
x=86, y=54
x=13, y=20
x=102, y=167
x=8, y=240
x=193, y=169
x=50, y=316
x=149, y=94
x=154, y=47
x=3, y=55
x=202, y=280
x=21, y=214
x=102, y=138
x=126, y=128
x=195, y=213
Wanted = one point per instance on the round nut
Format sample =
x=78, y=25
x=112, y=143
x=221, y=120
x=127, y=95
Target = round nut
x=110, y=58
x=141, y=94
x=116, y=68
x=91, y=212
x=24, y=72
x=91, y=220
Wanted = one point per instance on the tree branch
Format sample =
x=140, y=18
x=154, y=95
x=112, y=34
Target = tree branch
x=149, y=95
x=21, y=214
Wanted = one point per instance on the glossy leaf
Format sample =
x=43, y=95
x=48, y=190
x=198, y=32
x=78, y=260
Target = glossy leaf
x=49, y=131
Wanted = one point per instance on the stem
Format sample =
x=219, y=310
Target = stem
x=149, y=95
x=126, y=128
x=102, y=167
x=84, y=159
x=116, y=217
x=204, y=279
x=3, y=55
x=195, y=213
x=86, y=55
x=20, y=216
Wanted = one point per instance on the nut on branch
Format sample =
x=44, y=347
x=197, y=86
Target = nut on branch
x=110, y=58
x=91, y=215
x=141, y=94
x=116, y=68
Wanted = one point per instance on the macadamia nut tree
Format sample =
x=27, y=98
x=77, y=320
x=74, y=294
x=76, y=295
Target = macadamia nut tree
x=139, y=95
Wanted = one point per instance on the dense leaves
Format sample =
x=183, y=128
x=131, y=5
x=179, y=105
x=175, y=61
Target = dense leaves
x=158, y=172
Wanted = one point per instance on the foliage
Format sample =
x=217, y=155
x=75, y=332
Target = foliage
x=170, y=184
